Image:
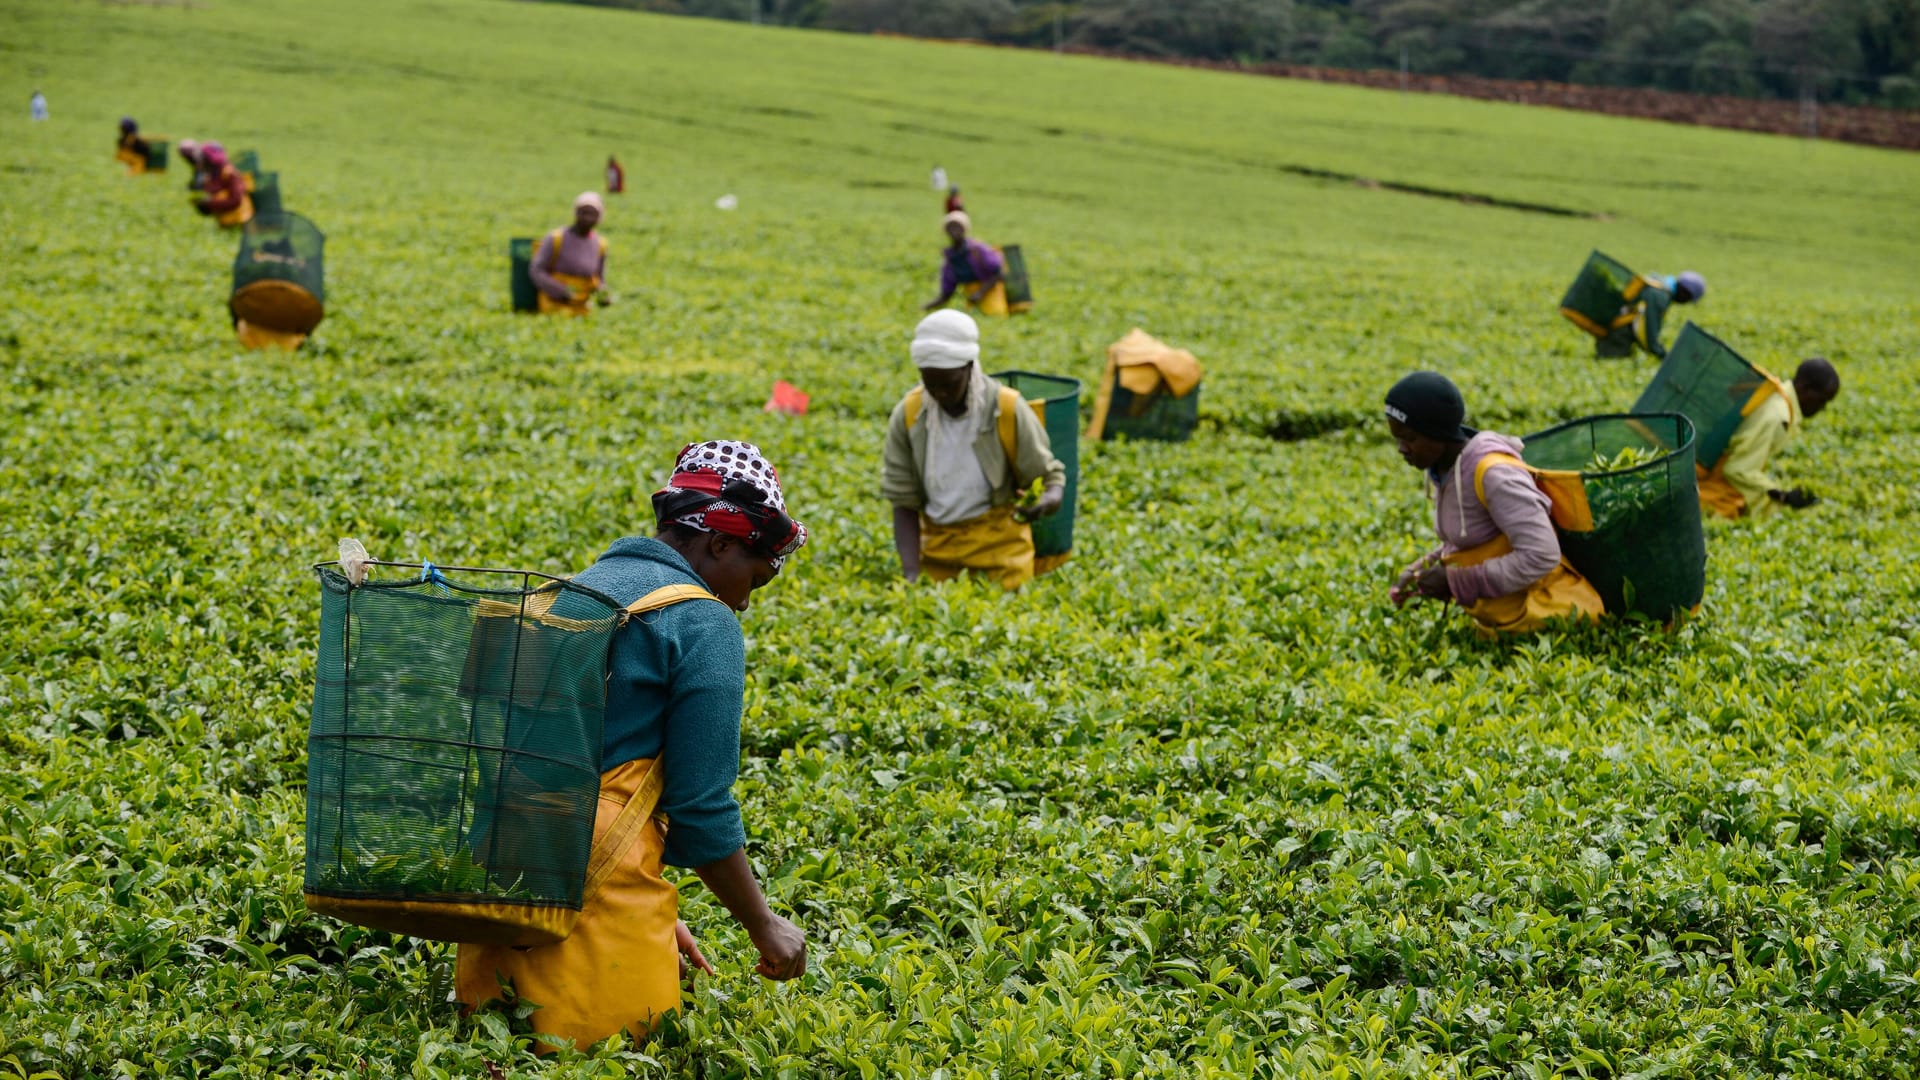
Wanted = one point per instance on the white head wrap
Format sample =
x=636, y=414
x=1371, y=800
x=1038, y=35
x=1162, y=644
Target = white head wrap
x=959, y=216
x=588, y=198
x=946, y=339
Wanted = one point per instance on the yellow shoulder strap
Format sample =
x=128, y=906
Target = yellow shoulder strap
x=559, y=237
x=1488, y=462
x=1010, y=402
x=915, y=397
x=1769, y=384
x=603, y=244
x=666, y=596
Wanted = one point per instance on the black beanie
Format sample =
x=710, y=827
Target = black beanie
x=1430, y=404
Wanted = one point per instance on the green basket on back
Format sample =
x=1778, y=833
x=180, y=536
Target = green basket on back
x=280, y=273
x=1058, y=399
x=1019, y=289
x=156, y=155
x=248, y=161
x=266, y=194
x=1594, y=300
x=1704, y=380
x=1644, y=550
x=520, y=274
x=1157, y=416
x=453, y=762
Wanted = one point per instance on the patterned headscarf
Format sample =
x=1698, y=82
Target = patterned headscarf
x=727, y=487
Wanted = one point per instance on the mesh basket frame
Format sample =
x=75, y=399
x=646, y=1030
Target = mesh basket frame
x=517, y=827
x=1159, y=416
x=520, y=274
x=1594, y=299
x=1019, y=287
x=1059, y=396
x=1707, y=381
x=1646, y=552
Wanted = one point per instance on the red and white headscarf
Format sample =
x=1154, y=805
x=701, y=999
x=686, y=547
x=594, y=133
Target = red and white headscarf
x=727, y=487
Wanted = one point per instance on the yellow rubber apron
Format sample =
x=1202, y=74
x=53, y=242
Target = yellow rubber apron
x=993, y=544
x=994, y=303
x=135, y=163
x=259, y=337
x=619, y=968
x=240, y=214
x=1717, y=495
x=1562, y=594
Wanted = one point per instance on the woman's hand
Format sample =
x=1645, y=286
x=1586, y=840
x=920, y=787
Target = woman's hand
x=1432, y=583
x=783, y=949
x=689, y=950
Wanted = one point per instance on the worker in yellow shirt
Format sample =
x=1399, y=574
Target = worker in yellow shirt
x=1739, y=483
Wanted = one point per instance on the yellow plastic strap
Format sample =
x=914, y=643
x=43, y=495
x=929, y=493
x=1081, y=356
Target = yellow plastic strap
x=1009, y=425
x=915, y=398
x=1566, y=491
x=620, y=837
x=1488, y=462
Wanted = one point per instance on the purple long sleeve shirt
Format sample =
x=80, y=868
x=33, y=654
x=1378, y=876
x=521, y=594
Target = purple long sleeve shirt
x=980, y=258
x=1515, y=506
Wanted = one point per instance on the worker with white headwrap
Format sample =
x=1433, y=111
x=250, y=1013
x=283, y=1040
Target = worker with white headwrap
x=960, y=474
x=973, y=264
x=569, y=268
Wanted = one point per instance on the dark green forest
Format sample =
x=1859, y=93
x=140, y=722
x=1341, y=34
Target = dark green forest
x=1853, y=51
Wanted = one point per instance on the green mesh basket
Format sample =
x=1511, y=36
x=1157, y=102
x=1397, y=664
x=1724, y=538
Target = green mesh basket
x=266, y=193
x=1060, y=415
x=248, y=161
x=279, y=273
x=520, y=274
x=1646, y=551
x=1019, y=290
x=1158, y=416
x=455, y=744
x=157, y=155
x=1704, y=380
x=1594, y=300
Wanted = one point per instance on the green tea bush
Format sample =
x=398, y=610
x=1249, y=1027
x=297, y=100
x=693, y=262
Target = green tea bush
x=1201, y=803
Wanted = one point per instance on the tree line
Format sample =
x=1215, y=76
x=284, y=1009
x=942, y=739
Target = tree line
x=1853, y=51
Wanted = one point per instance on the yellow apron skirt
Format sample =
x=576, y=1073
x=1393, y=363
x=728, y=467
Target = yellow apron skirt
x=1562, y=594
x=993, y=303
x=993, y=544
x=239, y=215
x=1717, y=495
x=135, y=163
x=583, y=290
x=620, y=967
x=259, y=337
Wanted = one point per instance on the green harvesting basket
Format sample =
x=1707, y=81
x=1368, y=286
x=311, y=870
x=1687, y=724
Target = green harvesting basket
x=157, y=155
x=1645, y=551
x=248, y=161
x=1704, y=380
x=1059, y=400
x=1594, y=300
x=520, y=274
x=1158, y=416
x=280, y=273
x=266, y=193
x=454, y=753
x=1019, y=289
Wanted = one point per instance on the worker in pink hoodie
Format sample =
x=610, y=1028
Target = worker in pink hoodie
x=1499, y=557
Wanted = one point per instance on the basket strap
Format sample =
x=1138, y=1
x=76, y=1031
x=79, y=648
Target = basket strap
x=620, y=837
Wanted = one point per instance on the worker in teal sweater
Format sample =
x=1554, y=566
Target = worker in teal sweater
x=672, y=734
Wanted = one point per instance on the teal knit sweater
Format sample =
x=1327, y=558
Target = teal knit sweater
x=679, y=676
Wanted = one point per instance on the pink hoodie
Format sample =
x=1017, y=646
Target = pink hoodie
x=1515, y=506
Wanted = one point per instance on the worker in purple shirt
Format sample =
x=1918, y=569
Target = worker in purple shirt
x=972, y=263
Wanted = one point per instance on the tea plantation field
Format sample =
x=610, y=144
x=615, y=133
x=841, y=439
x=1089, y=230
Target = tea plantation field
x=1200, y=804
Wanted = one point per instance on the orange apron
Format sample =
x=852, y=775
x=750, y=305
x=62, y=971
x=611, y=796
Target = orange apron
x=1562, y=594
x=1717, y=495
x=619, y=968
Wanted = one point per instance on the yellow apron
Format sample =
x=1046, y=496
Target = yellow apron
x=581, y=304
x=135, y=163
x=1718, y=496
x=993, y=544
x=619, y=968
x=994, y=303
x=240, y=214
x=1562, y=594
x=259, y=337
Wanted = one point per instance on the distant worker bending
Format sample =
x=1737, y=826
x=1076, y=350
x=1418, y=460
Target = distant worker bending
x=1499, y=557
x=569, y=268
x=971, y=265
x=226, y=199
x=1739, y=483
x=1647, y=299
x=131, y=150
x=957, y=469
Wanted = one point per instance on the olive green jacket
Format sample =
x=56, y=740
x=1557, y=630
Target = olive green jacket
x=904, y=462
